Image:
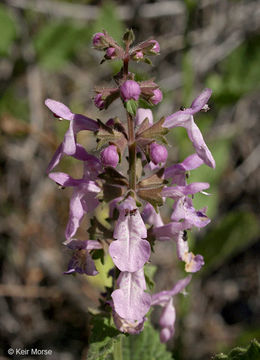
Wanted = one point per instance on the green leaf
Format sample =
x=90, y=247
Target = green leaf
x=231, y=235
x=252, y=352
x=153, y=195
x=131, y=107
x=149, y=271
x=153, y=181
x=145, y=346
x=154, y=132
x=7, y=30
x=107, y=135
x=102, y=339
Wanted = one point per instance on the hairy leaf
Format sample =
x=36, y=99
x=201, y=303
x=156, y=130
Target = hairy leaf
x=154, y=132
x=153, y=181
x=145, y=346
x=252, y=352
x=153, y=196
x=102, y=339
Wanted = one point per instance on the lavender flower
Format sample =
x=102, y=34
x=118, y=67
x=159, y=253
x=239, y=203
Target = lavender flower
x=133, y=197
x=83, y=199
x=168, y=316
x=130, y=301
x=78, y=123
x=81, y=261
x=130, y=251
x=184, y=118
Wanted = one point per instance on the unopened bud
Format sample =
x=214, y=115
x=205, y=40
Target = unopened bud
x=129, y=37
x=156, y=47
x=110, y=53
x=109, y=156
x=157, y=96
x=110, y=122
x=130, y=90
x=139, y=55
x=97, y=40
x=99, y=102
x=158, y=153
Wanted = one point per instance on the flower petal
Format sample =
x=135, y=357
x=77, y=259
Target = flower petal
x=201, y=100
x=179, y=191
x=69, y=142
x=64, y=179
x=142, y=114
x=130, y=251
x=162, y=297
x=81, y=122
x=178, y=171
x=151, y=217
x=130, y=300
x=199, y=144
x=178, y=119
x=167, y=321
x=58, y=155
x=59, y=109
x=169, y=231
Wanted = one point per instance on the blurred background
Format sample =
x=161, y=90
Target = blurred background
x=45, y=51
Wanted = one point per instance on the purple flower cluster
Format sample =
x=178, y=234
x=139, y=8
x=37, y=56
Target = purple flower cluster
x=133, y=198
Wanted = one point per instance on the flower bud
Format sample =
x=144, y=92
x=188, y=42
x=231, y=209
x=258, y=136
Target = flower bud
x=109, y=156
x=97, y=40
x=158, y=153
x=157, y=96
x=139, y=55
x=156, y=47
x=130, y=90
x=110, y=122
x=99, y=102
x=110, y=53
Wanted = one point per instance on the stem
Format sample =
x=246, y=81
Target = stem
x=131, y=132
x=126, y=61
x=132, y=152
x=117, y=353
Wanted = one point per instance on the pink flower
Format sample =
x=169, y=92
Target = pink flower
x=168, y=316
x=130, y=90
x=158, y=153
x=78, y=123
x=157, y=96
x=111, y=53
x=142, y=114
x=130, y=300
x=109, y=156
x=130, y=251
x=184, y=118
x=156, y=47
x=99, y=102
x=97, y=40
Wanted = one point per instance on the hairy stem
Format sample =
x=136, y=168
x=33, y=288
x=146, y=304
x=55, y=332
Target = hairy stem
x=131, y=133
x=117, y=353
x=132, y=152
